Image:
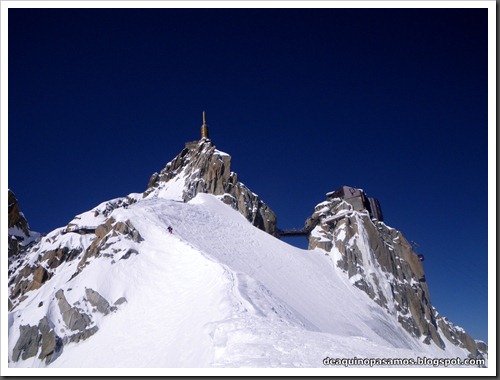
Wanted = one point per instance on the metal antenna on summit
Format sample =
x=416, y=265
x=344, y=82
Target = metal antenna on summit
x=204, y=128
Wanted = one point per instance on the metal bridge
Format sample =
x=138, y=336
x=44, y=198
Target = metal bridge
x=294, y=232
x=307, y=230
x=82, y=230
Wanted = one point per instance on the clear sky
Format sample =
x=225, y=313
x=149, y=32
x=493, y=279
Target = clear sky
x=393, y=101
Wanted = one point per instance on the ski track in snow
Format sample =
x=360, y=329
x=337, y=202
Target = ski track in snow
x=218, y=292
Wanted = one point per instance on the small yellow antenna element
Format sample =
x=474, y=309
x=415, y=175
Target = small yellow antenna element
x=204, y=128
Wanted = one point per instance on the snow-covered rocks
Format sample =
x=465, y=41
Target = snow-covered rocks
x=87, y=236
x=76, y=322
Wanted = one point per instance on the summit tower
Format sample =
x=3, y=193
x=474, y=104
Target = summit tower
x=204, y=127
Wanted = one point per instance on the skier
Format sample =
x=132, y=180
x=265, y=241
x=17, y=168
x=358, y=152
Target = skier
x=170, y=230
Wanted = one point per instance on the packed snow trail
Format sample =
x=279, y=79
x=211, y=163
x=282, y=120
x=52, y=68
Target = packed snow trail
x=307, y=280
x=278, y=282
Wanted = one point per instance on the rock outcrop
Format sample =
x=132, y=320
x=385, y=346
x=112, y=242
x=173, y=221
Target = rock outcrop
x=33, y=338
x=79, y=325
x=73, y=317
x=50, y=343
x=201, y=168
x=59, y=247
x=97, y=301
x=105, y=233
x=27, y=344
x=20, y=236
x=380, y=261
x=16, y=218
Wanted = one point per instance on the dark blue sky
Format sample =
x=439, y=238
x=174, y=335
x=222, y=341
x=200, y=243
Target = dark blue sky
x=393, y=101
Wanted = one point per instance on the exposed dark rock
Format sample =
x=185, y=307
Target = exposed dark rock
x=459, y=337
x=21, y=282
x=120, y=300
x=103, y=229
x=153, y=180
x=14, y=247
x=79, y=336
x=98, y=301
x=56, y=257
x=40, y=275
x=20, y=236
x=482, y=346
x=27, y=344
x=33, y=337
x=44, y=339
x=50, y=341
x=72, y=317
x=16, y=218
x=104, y=232
x=105, y=209
x=129, y=252
x=31, y=277
x=129, y=230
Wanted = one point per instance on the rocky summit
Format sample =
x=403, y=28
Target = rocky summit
x=201, y=168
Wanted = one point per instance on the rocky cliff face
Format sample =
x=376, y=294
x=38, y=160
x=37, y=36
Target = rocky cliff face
x=20, y=235
x=201, y=168
x=380, y=261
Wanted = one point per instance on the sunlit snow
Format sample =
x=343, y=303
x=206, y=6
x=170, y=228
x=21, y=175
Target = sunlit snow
x=218, y=292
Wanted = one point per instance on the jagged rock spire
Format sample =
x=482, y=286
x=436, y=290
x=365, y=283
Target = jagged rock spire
x=202, y=168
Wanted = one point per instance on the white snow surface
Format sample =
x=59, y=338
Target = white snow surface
x=218, y=292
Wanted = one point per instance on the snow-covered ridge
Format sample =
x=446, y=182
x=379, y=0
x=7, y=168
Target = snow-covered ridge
x=217, y=289
x=221, y=288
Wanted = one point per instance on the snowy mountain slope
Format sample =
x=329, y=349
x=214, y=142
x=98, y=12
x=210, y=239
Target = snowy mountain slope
x=217, y=293
x=113, y=288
